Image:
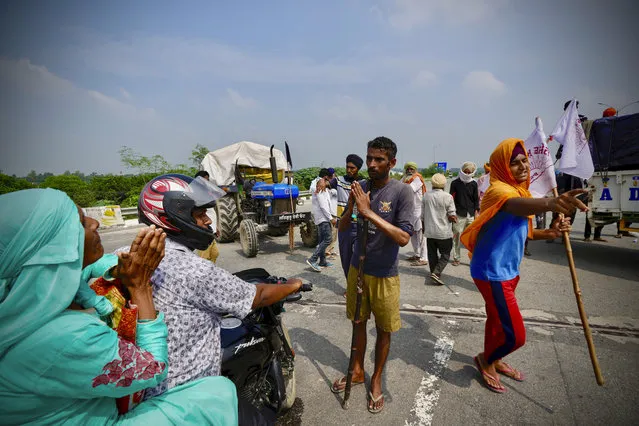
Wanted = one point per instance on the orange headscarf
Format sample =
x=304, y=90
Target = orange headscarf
x=503, y=186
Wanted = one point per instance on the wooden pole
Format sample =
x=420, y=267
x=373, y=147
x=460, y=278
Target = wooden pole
x=580, y=306
x=291, y=226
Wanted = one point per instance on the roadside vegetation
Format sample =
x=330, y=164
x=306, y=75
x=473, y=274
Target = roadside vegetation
x=123, y=189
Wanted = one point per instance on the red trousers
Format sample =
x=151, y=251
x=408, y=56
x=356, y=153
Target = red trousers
x=505, y=330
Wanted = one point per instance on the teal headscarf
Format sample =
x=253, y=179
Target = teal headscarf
x=41, y=251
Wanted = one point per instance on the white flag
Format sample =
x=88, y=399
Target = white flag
x=542, y=171
x=575, y=159
x=483, y=182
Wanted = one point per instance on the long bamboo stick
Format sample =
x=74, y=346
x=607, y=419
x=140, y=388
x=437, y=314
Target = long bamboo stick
x=358, y=305
x=580, y=306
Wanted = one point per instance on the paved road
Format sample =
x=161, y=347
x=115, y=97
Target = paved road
x=430, y=378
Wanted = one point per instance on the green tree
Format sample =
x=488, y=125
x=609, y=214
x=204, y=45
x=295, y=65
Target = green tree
x=32, y=176
x=197, y=155
x=143, y=164
x=111, y=189
x=155, y=165
x=431, y=170
x=75, y=188
x=304, y=177
x=10, y=184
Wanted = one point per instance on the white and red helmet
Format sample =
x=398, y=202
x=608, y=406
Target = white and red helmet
x=168, y=201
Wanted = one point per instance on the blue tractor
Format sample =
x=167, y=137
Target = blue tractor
x=255, y=205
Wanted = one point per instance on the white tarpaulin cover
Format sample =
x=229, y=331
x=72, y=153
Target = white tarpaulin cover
x=220, y=164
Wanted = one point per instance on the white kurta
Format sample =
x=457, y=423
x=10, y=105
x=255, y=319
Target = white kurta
x=416, y=186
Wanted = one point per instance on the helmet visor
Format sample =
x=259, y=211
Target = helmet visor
x=204, y=193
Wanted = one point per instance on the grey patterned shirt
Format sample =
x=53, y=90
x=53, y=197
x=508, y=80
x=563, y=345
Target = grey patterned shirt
x=193, y=292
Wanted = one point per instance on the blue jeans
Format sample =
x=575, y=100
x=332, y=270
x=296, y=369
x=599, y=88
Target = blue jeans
x=325, y=237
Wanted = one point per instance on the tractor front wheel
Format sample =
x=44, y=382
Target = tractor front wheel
x=248, y=238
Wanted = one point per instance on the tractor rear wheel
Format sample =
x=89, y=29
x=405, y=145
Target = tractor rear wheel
x=309, y=233
x=248, y=238
x=226, y=209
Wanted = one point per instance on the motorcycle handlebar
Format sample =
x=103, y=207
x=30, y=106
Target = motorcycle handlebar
x=297, y=296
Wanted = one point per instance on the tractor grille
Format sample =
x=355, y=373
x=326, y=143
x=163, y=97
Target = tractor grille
x=283, y=205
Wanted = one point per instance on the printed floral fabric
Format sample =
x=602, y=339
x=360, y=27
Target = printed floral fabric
x=123, y=319
x=132, y=365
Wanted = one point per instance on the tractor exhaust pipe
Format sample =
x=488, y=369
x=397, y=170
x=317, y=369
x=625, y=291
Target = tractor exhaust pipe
x=273, y=166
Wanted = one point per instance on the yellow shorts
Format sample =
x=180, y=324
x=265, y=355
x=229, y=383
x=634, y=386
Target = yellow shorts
x=380, y=296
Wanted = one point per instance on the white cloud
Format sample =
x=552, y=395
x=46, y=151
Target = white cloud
x=483, y=82
x=126, y=95
x=119, y=106
x=31, y=78
x=190, y=58
x=240, y=101
x=34, y=79
x=408, y=14
x=347, y=108
x=424, y=78
x=157, y=56
x=377, y=13
x=51, y=124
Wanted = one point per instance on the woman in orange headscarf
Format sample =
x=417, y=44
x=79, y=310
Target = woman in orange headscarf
x=495, y=242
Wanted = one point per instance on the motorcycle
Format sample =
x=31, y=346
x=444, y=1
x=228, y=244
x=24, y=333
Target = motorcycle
x=257, y=354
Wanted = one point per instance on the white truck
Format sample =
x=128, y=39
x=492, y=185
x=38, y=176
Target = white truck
x=614, y=145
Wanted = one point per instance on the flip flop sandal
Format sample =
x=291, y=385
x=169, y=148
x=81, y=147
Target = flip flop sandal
x=419, y=263
x=375, y=401
x=340, y=382
x=508, y=371
x=485, y=377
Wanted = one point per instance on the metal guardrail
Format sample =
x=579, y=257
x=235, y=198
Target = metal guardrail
x=129, y=211
x=133, y=211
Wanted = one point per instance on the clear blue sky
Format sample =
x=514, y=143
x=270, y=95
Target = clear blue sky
x=446, y=80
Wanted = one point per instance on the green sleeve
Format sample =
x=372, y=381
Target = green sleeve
x=97, y=363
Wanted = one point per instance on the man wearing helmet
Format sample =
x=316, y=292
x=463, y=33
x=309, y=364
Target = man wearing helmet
x=191, y=291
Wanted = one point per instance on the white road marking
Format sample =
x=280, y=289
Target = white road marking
x=541, y=330
x=427, y=395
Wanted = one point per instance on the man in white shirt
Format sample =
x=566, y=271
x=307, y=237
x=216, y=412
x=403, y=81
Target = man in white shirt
x=413, y=178
x=323, y=218
x=438, y=212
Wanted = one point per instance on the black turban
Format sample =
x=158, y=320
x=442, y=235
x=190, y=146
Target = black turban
x=355, y=159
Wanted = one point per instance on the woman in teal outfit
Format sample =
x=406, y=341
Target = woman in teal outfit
x=61, y=364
